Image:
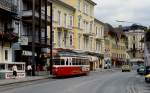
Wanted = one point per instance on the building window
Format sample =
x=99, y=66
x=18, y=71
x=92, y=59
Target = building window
x=91, y=44
x=79, y=4
x=98, y=46
x=59, y=18
x=91, y=24
x=59, y=38
x=85, y=42
x=71, y=21
x=133, y=37
x=65, y=39
x=71, y=39
x=96, y=30
x=85, y=8
x=79, y=41
x=86, y=26
x=91, y=11
x=16, y=27
x=6, y=55
x=65, y=20
x=79, y=21
x=53, y=15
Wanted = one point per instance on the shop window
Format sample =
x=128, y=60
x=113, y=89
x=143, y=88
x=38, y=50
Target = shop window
x=2, y=66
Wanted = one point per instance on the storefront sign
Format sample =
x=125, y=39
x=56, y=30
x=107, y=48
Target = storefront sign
x=19, y=75
x=27, y=53
x=16, y=46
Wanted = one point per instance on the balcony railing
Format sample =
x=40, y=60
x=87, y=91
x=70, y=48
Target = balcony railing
x=37, y=40
x=98, y=37
x=28, y=13
x=87, y=33
x=8, y=5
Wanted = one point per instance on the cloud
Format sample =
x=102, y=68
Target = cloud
x=128, y=10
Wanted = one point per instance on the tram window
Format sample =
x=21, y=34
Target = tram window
x=87, y=62
x=57, y=61
x=73, y=61
x=80, y=62
x=77, y=62
x=62, y=62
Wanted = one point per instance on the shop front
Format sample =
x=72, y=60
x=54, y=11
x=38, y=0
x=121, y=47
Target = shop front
x=94, y=63
x=25, y=55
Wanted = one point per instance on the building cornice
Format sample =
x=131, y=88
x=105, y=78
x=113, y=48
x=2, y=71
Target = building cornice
x=96, y=20
x=64, y=4
x=91, y=2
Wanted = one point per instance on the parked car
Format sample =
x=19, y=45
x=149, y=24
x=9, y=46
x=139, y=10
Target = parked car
x=147, y=74
x=126, y=68
x=141, y=70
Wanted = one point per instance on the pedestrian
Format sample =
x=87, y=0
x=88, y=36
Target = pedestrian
x=14, y=69
x=29, y=70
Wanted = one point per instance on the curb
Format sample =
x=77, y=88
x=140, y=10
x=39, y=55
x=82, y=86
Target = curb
x=5, y=84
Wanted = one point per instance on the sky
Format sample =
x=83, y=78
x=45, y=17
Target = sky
x=130, y=11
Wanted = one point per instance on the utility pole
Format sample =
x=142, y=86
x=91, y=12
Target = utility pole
x=33, y=38
x=51, y=38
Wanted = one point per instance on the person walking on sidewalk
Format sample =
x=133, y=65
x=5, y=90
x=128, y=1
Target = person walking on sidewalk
x=14, y=69
x=29, y=70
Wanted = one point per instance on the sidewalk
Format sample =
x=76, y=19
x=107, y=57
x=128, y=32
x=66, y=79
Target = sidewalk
x=21, y=80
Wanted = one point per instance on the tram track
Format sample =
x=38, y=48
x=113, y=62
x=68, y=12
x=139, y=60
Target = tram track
x=11, y=86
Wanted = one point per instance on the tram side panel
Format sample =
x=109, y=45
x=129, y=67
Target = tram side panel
x=76, y=67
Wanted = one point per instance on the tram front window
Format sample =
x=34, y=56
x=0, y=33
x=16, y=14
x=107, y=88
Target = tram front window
x=56, y=61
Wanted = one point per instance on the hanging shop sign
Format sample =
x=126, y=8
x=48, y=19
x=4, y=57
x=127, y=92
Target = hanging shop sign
x=24, y=40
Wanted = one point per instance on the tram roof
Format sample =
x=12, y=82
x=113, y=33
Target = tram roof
x=69, y=54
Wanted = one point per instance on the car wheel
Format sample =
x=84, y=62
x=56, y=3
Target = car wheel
x=147, y=80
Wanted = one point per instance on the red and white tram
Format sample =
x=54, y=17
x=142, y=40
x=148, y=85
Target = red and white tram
x=70, y=66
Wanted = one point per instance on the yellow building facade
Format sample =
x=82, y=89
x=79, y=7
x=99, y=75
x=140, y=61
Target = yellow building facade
x=115, y=47
x=63, y=22
x=83, y=23
x=76, y=28
x=98, y=42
